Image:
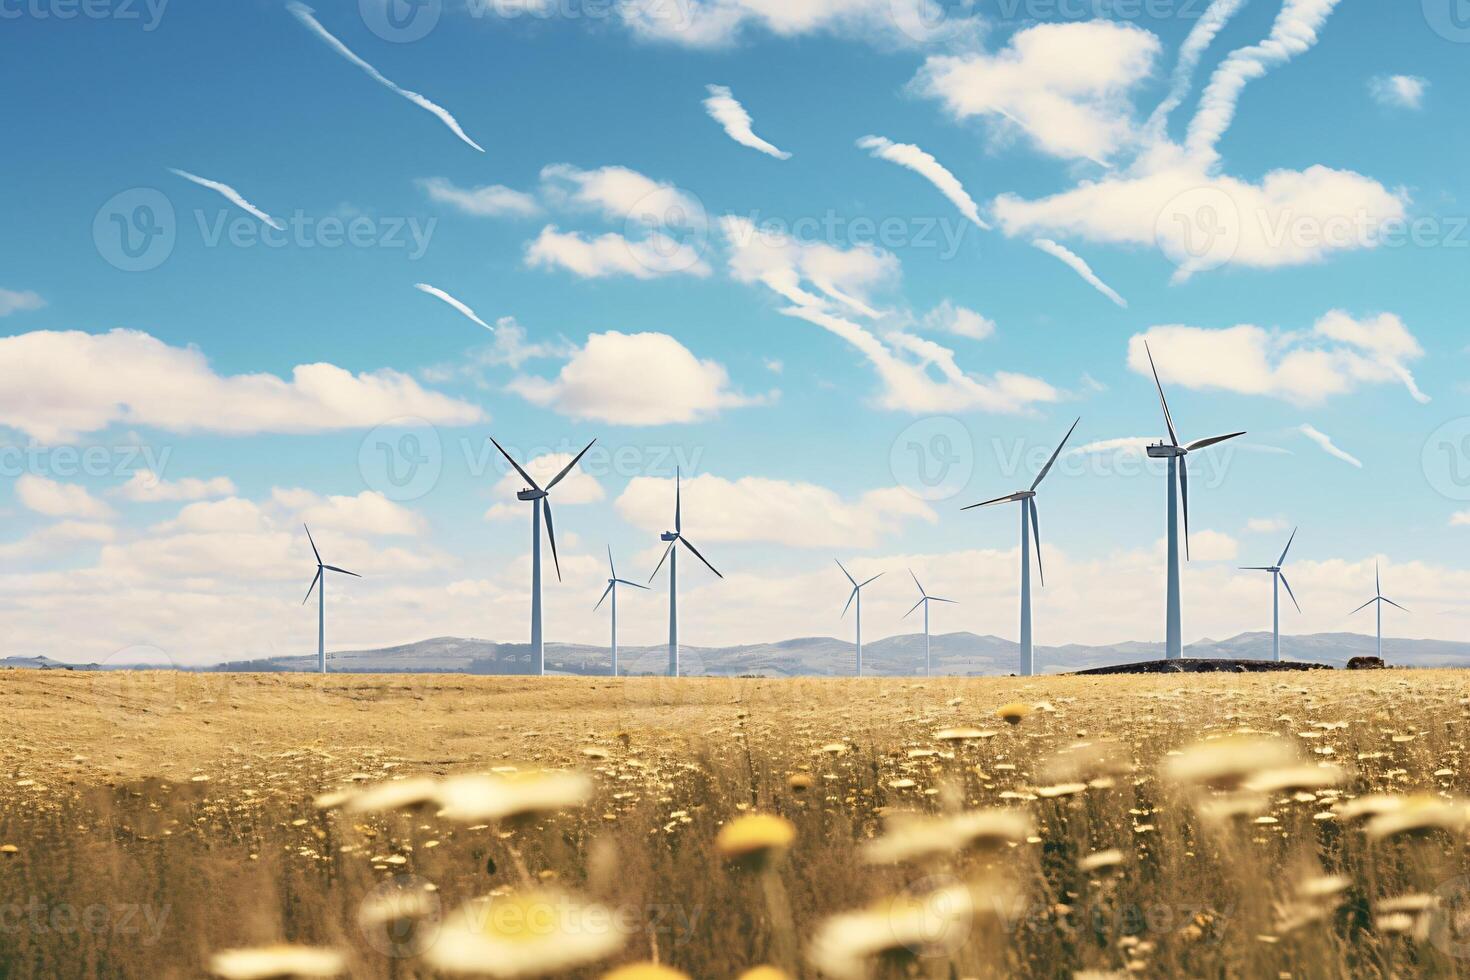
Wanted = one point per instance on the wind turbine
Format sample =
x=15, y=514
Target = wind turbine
x=612, y=590
x=671, y=555
x=321, y=600
x=1178, y=487
x=1278, y=579
x=540, y=501
x=1029, y=525
x=1379, y=599
x=857, y=593
x=924, y=600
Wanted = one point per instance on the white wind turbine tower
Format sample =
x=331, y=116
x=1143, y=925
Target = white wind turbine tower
x=1278, y=579
x=671, y=555
x=924, y=600
x=1178, y=487
x=1029, y=525
x=612, y=590
x=857, y=593
x=1379, y=599
x=540, y=502
x=320, y=578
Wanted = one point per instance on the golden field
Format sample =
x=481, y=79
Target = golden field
x=186, y=825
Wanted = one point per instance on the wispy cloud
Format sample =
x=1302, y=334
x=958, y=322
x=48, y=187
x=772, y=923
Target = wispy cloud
x=1399, y=91
x=231, y=195
x=725, y=110
x=490, y=201
x=440, y=294
x=1204, y=32
x=1079, y=266
x=19, y=301
x=923, y=164
x=1328, y=446
x=307, y=16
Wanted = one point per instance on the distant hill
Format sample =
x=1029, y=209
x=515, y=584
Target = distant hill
x=962, y=654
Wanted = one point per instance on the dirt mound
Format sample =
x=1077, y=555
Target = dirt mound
x=1197, y=666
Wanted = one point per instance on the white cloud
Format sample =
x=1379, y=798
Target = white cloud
x=54, y=385
x=55, y=499
x=782, y=263
x=799, y=515
x=305, y=14
x=620, y=194
x=719, y=23
x=1078, y=265
x=145, y=486
x=1126, y=445
x=367, y=513
x=1338, y=355
x=1266, y=525
x=1218, y=14
x=1206, y=545
x=231, y=195
x=1064, y=86
x=577, y=487
x=730, y=114
x=611, y=254
x=456, y=304
x=57, y=539
x=233, y=514
x=1294, y=33
x=634, y=379
x=923, y=164
x=1328, y=446
x=1399, y=91
x=948, y=317
x=23, y=301
x=489, y=201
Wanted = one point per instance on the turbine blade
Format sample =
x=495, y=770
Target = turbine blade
x=935, y=598
x=1168, y=419
x=1036, y=533
x=1255, y=568
x=1184, y=493
x=1008, y=499
x=508, y=458
x=623, y=581
x=610, y=566
x=871, y=580
x=1394, y=604
x=911, y=611
x=1377, y=580
x=312, y=586
x=344, y=571
x=846, y=572
x=1282, y=559
x=685, y=541
x=916, y=582
x=678, y=500
x=313, y=545
x=568, y=468
x=551, y=535
x=1213, y=440
x=851, y=596
x=662, y=560
x=606, y=592
x=1290, y=593
x=1052, y=462
x=1362, y=607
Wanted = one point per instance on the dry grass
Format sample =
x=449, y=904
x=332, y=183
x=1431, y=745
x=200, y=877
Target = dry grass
x=1244, y=826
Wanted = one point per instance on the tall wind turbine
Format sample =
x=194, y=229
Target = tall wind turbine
x=1379, y=599
x=1278, y=579
x=857, y=593
x=612, y=590
x=1029, y=525
x=540, y=502
x=320, y=578
x=1178, y=487
x=924, y=600
x=671, y=555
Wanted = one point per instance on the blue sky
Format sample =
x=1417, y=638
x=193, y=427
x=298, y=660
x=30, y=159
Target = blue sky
x=783, y=369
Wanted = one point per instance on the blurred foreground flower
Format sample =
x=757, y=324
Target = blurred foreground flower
x=270, y=962
x=527, y=934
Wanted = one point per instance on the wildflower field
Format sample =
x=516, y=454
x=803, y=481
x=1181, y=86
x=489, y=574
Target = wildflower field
x=168, y=825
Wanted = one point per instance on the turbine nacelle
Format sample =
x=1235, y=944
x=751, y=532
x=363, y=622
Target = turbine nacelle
x=669, y=536
x=529, y=494
x=1163, y=450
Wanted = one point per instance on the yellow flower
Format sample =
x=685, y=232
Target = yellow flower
x=269, y=962
x=500, y=796
x=764, y=973
x=756, y=835
x=533, y=933
x=645, y=971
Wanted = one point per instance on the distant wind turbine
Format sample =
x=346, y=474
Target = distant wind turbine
x=612, y=590
x=1278, y=579
x=857, y=594
x=1029, y=525
x=1379, y=599
x=1178, y=487
x=320, y=578
x=540, y=502
x=671, y=555
x=924, y=600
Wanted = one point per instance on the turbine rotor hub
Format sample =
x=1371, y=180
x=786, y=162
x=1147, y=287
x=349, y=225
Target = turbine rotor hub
x=531, y=495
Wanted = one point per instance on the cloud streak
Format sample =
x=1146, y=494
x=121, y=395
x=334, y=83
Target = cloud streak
x=1328, y=446
x=725, y=110
x=923, y=164
x=1079, y=266
x=231, y=195
x=307, y=16
x=440, y=294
